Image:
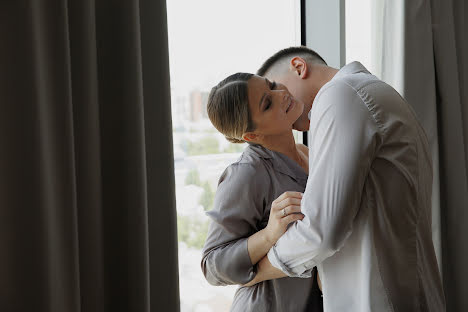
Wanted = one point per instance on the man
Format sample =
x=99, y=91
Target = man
x=367, y=204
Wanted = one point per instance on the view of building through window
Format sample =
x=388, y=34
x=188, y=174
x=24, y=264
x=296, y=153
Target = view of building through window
x=209, y=40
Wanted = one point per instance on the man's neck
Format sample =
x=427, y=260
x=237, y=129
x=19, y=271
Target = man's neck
x=321, y=76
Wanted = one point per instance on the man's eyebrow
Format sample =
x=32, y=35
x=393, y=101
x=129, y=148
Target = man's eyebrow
x=263, y=96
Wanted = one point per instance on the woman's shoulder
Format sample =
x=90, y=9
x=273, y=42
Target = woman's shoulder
x=248, y=168
x=242, y=185
x=254, y=157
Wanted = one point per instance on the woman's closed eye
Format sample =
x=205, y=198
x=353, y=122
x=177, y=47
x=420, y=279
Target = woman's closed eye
x=267, y=103
x=268, y=100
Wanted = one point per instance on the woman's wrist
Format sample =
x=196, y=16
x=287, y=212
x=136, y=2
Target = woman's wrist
x=259, y=244
x=268, y=237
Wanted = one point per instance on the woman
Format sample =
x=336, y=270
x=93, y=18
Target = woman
x=248, y=217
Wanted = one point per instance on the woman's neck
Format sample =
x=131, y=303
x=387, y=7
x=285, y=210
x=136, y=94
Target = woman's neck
x=284, y=144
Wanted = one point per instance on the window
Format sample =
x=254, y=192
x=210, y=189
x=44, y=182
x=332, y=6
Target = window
x=209, y=40
x=364, y=33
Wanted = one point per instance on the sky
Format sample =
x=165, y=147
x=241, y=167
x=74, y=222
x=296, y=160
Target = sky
x=211, y=39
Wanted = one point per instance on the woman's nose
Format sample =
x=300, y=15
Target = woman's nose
x=280, y=89
x=284, y=94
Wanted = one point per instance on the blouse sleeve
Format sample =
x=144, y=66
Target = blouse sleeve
x=238, y=209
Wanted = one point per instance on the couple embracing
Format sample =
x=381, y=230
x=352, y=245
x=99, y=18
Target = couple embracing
x=341, y=225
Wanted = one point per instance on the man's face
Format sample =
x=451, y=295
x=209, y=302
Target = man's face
x=300, y=91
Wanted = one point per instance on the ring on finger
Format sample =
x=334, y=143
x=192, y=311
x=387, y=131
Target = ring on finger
x=284, y=212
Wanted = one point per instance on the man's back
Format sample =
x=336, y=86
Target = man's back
x=370, y=236
x=398, y=202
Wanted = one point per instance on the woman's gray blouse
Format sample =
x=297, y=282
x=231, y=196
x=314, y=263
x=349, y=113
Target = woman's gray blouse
x=242, y=205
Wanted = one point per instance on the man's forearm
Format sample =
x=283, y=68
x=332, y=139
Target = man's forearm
x=265, y=271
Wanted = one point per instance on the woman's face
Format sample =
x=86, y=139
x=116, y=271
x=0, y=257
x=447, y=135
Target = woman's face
x=273, y=109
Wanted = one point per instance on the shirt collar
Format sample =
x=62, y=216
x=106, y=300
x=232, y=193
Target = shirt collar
x=281, y=163
x=351, y=68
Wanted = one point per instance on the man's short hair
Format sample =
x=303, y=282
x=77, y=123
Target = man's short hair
x=309, y=55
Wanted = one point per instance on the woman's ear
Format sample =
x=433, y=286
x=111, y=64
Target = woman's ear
x=299, y=66
x=250, y=137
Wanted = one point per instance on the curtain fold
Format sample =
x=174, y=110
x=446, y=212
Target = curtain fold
x=87, y=203
x=408, y=65
x=162, y=215
x=424, y=56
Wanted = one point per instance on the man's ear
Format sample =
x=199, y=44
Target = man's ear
x=299, y=66
x=250, y=137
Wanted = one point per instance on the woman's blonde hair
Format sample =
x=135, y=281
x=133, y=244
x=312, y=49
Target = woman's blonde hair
x=228, y=107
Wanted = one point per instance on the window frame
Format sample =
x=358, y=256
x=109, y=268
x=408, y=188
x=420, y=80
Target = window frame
x=323, y=30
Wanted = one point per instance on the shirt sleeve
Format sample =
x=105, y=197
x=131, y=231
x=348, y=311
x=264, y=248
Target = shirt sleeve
x=237, y=213
x=344, y=138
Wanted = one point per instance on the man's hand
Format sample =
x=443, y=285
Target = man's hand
x=265, y=271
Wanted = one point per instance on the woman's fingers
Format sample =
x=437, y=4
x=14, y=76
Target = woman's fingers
x=292, y=217
x=284, y=210
x=288, y=210
x=286, y=195
x=291, y=209
x=289, y=201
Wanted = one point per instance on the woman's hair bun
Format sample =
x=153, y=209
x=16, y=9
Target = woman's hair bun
x=228, y=107
x=234, y=140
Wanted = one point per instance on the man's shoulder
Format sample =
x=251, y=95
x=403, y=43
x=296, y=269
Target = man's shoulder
x=355, y=82
x=360, y=88
x=345, y=97
x=335, y=93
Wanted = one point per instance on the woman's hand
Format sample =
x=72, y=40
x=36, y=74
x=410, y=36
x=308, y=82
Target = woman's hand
x=284, y=210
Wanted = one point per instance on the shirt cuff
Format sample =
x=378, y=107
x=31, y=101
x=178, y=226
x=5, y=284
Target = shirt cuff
x=299, y=271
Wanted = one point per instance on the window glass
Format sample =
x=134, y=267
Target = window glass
x=209, y=40
x=363, y=22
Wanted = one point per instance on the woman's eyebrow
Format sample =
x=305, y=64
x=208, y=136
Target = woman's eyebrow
x=264, y=94
x=261, y=101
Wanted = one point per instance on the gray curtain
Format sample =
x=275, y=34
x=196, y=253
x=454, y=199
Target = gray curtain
x=87, y=203
x=425, y=56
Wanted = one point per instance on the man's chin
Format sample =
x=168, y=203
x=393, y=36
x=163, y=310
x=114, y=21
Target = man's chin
x=301, y=126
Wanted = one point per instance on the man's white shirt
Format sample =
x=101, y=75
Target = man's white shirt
x=367, y=204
